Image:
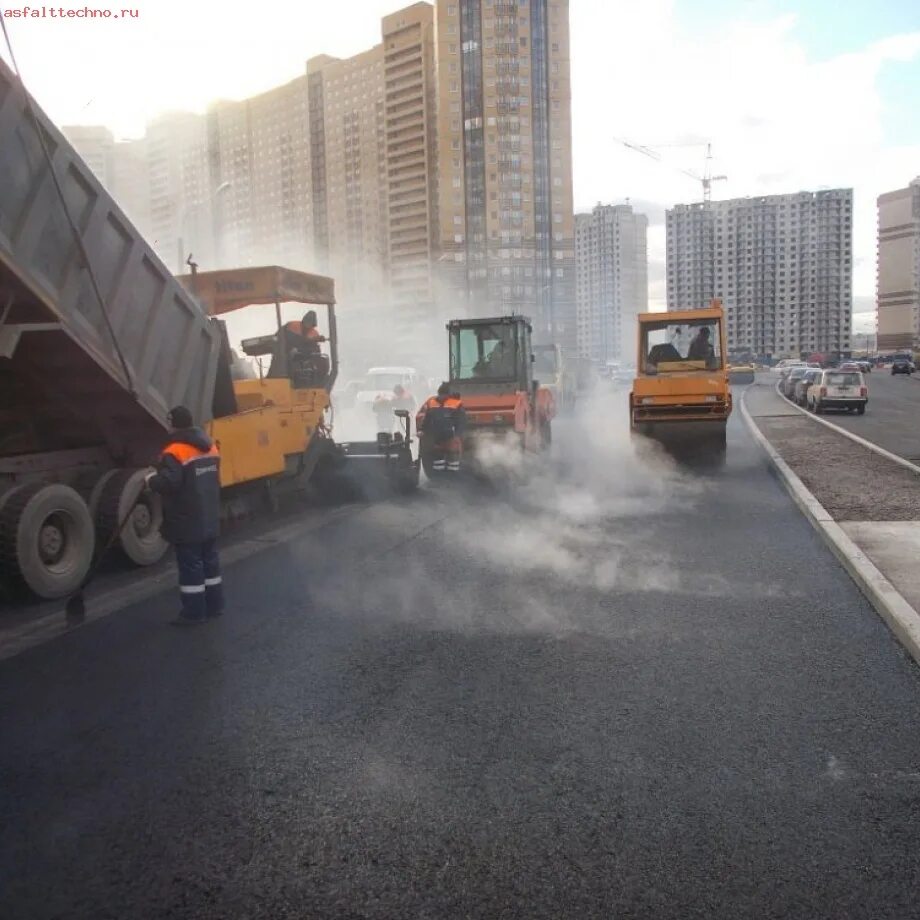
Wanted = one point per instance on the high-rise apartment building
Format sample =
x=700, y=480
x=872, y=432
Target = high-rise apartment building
x=259, y=178
x=505, y=161
x=611, y=256
x=181, y=221
x=348, y=180
x=898, y=279
x=410, y=100
x=782, y=266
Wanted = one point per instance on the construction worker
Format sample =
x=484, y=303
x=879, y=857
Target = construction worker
x=403, y=399
x=442, y=426
x=700, y=348
x=385, y=406
x=300, y=340
x=187, y=477
x=307, y=333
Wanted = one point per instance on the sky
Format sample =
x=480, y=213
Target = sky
x=792, y=96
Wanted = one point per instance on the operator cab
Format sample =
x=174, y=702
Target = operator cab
x=672, y=346
x=294, y=356
x=490, y=354
x=237, y=298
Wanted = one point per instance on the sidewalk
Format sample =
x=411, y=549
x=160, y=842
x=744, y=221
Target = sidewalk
x=866, y=506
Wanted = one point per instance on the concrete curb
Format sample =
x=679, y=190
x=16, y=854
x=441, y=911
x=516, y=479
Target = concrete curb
x=901, y=618
x=853, y=437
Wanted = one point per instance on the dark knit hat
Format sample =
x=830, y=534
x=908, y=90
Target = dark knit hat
x=180, y=417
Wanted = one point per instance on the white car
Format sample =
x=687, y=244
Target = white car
x=836, y=389
x=380, y=381
x=786, y=365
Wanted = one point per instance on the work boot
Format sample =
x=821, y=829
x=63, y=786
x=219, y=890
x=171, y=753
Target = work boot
x=183, y=620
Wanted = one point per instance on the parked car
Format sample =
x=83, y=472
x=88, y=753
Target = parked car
x=902, y=366
x=786, y=365
x=802, y=384
x=787, y=385
x=837, y=389
x=865, y=366
x=850, y=366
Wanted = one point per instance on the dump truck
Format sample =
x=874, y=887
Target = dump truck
x=492, y=371
x=98, y=341
x=681, y=389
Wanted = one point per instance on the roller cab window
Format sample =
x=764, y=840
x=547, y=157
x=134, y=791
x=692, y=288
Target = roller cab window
x=671, y=347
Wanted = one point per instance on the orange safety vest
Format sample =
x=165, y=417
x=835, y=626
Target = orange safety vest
x=185, y=453
x=451, y=402
x=296, y=327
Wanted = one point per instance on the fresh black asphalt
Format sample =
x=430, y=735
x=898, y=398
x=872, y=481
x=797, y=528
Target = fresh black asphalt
x=631, y=689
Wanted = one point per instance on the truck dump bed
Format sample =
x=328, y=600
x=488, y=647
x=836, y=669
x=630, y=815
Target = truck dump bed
x=62, y=385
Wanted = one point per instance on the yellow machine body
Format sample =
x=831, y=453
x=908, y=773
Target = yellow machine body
x=275, y=422
x=675, y=389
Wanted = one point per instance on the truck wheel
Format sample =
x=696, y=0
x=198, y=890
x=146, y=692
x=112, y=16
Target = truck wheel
x=46, y=539
x=140, y=541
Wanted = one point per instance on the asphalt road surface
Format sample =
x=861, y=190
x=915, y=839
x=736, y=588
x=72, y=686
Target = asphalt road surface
x=631, y=689
x=892, y=418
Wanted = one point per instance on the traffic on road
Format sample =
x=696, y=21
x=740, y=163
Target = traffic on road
x=887, y=403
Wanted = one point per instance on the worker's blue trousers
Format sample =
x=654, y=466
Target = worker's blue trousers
x=200, y=584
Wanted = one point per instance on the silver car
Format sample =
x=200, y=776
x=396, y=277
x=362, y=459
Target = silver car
x=800, y=391
x=787, y=385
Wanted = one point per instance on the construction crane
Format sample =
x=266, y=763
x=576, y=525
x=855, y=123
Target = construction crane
x=706, y=179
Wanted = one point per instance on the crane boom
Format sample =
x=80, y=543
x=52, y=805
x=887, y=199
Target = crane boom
x=705, y=180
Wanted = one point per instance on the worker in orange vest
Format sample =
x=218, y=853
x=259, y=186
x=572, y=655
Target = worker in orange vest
x=187, y=478
x=385, y=406
x=443, y=425
x=301, y=339
x=306, y=332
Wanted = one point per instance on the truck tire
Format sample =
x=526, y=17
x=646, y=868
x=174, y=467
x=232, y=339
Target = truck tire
x=140, y=541
x=47, y=539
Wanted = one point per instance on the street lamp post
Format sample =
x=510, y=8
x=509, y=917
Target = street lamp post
x=190, y=209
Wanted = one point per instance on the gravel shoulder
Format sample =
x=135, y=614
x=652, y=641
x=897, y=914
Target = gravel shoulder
x=852, y=482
